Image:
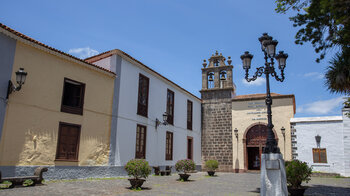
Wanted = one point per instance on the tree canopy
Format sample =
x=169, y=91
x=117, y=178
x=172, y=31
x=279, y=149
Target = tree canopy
x=326, y=25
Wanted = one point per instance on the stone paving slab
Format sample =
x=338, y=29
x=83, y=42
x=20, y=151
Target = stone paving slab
x=225, y=184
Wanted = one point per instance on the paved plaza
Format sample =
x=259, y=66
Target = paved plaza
x=200, y=184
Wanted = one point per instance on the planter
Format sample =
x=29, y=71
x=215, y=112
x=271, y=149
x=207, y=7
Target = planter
x=184, y=177
x=156, y=171
x=136, y=183
x=297, y=191
x=211, y=173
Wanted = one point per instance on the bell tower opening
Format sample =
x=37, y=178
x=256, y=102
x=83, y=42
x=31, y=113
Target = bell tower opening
x=211, y=78
x=217, y=76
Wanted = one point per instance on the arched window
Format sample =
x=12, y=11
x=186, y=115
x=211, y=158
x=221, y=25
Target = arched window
x=216, y=62
x=223, y=78
x=211, y=78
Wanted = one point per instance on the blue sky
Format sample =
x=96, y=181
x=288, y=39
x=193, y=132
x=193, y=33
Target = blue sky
x=174, y=36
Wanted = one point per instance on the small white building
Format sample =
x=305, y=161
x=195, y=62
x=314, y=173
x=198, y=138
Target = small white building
x=323, y=142
x=141, y=95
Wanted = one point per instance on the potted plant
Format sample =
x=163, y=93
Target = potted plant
x=183, y=167
x=138, y=168
x=297, y=172
x=211, y=166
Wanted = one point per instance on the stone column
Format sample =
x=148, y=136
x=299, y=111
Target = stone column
x=229, y=78
x=217, y=79
x=204, y=80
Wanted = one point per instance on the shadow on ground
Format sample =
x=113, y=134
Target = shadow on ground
x=327, y=190
x=141, y=188
x=257, y=190
x=185, y=181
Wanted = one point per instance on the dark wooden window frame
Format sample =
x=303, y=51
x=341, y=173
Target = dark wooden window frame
x=141, y=155
x=142, y=109
x=77, y=143
x=169, y=147
x=317, y=152
x=189, y=114
x=168, y=105
x=70, y=109
x=190, y=138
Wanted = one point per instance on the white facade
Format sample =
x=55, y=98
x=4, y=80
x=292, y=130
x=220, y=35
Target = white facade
x=334, y=138
x=127, y=119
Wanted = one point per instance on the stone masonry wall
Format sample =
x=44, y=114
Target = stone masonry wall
x=217, y=133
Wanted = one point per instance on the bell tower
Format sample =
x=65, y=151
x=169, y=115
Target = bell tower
x=217, y=92
x=217, y=78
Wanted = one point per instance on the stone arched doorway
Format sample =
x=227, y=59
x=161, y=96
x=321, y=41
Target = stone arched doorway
x=254, y=141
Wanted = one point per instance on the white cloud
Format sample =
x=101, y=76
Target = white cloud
x=314, y=75
x=83, y=52
x=321, y=107
x=257, y=82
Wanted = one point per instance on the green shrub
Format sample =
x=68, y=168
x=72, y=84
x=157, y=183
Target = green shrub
x=212, y=165
x=138, y=168
x=297, y=172
x=28, y=182
x=185, y=165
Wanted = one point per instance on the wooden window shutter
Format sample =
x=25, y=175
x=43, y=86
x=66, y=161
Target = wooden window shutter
x=142, y=103
x=323, y=155
x=68, y=142
x=170, y=106
x=189, y=114
x=140, y=150
x=73, y=97
x=319, y=155
x=315, y=155
x=169, y=146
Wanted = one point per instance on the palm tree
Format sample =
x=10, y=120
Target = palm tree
x=338, y=76
x=338, y=73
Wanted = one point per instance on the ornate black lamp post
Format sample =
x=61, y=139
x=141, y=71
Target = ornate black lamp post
x=268, y=46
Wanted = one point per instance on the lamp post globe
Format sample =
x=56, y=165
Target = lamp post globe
x=263, y=38
x=270, y=47
x=281, y=58
x=246, y=59
x=21, y=76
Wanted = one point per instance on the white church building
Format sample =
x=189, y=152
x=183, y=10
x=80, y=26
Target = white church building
x=323, y=142
x=141, y=98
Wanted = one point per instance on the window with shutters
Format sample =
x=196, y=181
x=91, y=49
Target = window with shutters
x=319, y=155
x=68, y=142
x=189, y=114
x=170, y=107
x=73, y=97
x=140, y=142
x=189, y=147
x=142, y=103
x=169, y=146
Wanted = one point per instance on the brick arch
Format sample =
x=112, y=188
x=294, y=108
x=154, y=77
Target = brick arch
x=245, y=141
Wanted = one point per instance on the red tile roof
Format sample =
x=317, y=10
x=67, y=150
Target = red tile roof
x=50, y=48
x=117, y=51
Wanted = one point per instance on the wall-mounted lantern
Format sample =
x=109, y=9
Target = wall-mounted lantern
x=165, y=120
x=283, y=130
x=236, y=132
x=20, y=79
x=318, y=140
